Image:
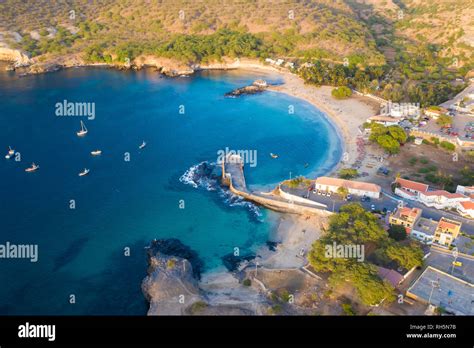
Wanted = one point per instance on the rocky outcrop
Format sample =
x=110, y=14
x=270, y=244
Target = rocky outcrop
x=172, y=285
x=166, y=66
x=17, y=57
x=244, y=91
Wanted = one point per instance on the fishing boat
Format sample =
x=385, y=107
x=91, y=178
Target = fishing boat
x=143, y=144
x=10, y=153
x=273, y=155
x=96, y=153
x=33, y=168
x=84, y=172
x=83, y=130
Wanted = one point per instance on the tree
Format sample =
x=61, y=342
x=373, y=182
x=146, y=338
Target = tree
x=406, y=256
x=343, y=191
x=388, y=144
x=342, y=92
x=398, y=133
x=444, y=120
x=348, y=173
x=397, y=232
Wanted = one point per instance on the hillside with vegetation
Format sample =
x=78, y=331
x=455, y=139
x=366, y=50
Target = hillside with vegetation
x=401, y=50
x=189, y=30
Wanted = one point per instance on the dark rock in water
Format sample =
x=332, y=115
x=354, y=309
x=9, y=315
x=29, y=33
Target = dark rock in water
x=232, y=262
x=271, y=245
x=174, y=247
x=244, y=91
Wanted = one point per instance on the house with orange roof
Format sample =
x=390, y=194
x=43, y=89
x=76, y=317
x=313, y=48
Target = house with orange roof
x=356, y=188
x=406, y=217
x=466, y=209
x=409, y=189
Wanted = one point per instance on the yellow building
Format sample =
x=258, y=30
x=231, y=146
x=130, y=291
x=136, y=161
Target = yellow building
x=446, y=231
x=406, y=217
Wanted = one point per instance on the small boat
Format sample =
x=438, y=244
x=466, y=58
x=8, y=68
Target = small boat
x=96, y=153
x=33, y=168
x=142, y=145
x=83, y=130
x=84, y=172
x=273, y=155
x=10, y=153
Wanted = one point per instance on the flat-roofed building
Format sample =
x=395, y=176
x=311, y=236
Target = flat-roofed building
x=424, y=230
x=446, y=231
x=441, y=289
x=406, y=217
x=356, y=188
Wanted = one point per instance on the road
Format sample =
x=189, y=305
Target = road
x=389, y=202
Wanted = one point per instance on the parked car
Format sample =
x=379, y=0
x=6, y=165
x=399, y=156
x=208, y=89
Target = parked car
x=329, y=194
x=365, y=199
x=372, y=207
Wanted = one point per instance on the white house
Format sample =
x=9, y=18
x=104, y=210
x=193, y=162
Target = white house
x=409, y=189
x=384, y=120
x=355, y=188
x=465, y=190
x=441, y=199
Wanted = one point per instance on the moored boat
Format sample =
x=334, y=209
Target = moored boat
x=84, y=172
x=83, y=130
x=33, y=168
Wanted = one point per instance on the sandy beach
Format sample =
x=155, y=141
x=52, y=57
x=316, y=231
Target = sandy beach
x=348, y=115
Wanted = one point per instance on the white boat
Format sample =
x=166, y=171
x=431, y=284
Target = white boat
x=84, y=172
x=273, y=155
x=83, y=130
x=96, y=153
x=142, y=145
x=10, y=153
x=33, y=168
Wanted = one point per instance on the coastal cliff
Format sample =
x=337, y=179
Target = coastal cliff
x=14, y=56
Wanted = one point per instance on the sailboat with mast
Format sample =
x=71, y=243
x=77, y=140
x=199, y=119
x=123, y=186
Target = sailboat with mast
x=83, y=130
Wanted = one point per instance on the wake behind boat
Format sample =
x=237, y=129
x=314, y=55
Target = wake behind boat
x=83, y=130
x=143, y=144
x=33, y=168
x=96, y=153
x=84, y=172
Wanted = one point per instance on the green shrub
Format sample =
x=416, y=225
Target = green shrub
x=342, y=92
x=448, y=146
